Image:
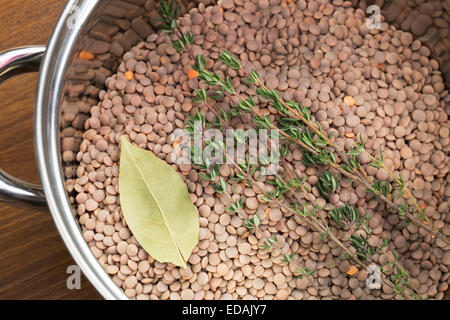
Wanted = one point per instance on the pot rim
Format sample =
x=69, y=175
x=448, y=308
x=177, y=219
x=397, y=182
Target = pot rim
x=47, y=141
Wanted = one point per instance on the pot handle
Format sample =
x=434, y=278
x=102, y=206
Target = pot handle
x=13, y=62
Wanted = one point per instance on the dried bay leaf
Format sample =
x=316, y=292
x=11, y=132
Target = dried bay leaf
x=156, y=205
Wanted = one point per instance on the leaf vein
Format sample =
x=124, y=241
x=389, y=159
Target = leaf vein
x=156, y=201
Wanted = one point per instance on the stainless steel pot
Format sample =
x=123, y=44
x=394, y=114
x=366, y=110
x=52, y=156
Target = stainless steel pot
x=56, y=59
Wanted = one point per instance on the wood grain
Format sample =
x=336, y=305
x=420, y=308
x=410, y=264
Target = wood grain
x=33, y=258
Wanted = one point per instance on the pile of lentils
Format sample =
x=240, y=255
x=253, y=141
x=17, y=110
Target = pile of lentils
x=381, y=84
x=427, y=20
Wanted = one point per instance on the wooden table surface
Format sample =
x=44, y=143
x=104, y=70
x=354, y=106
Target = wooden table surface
x=33, y=258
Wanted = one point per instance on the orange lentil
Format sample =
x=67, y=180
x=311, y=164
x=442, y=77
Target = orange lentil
x=84, y=55
x=349, y=134
x=352, y=270
x=349, y=101
x=267, y=212
x=129, y=75
x=192, y=74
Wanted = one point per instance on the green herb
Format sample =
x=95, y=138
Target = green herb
x=270, y=243
x=328, y=184
x=348, y=216
x=364, y=250
x=235, y=207
x=252, y=224
x=305, y=272
x=288, y=258
x=169, y=12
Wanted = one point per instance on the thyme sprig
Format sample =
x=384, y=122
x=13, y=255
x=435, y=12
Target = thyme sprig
x=348, y=216
x=315, y=153
x=363, y=251
x=270, y=243
x=328, y=184
x=351, y=167
x=169, y=12
x=318, y=147
x=253, y=223
x=305, y=272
